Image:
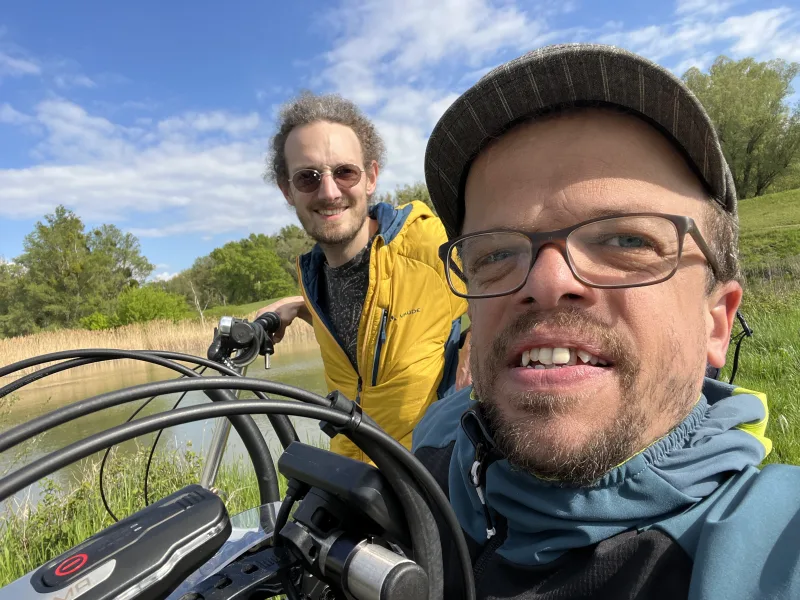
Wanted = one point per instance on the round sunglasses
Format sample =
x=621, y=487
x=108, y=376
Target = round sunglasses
x=308, y=180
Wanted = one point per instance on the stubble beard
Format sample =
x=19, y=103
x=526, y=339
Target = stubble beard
x=527, y=441
x=333, y=234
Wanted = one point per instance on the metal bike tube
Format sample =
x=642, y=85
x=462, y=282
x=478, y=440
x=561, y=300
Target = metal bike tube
x=219, y=441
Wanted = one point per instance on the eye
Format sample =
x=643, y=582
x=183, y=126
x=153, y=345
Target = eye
x=494, y=257
x=306, y=177
x=346, y=170
x=628, y=241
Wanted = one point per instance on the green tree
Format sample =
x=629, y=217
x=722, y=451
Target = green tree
x=198, y=285
x=66, y=274
x=249, y=270
x=14, y=318
x=291, y=242
x=758, y=130
x=119, y=257
x=140, y=304
x=406, y=193
x=57, y=273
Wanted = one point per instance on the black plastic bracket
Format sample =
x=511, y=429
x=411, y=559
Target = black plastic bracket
x=259, y=573
x=341, y=403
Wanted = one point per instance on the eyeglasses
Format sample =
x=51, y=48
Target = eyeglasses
x=309, y=180
x=622, y=251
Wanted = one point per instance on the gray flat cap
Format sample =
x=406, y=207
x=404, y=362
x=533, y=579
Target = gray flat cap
x=560, y=76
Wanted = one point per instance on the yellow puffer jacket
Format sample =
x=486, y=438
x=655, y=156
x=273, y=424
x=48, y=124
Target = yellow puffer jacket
x=409, y=329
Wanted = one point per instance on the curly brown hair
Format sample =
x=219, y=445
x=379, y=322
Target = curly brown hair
x=310, y=108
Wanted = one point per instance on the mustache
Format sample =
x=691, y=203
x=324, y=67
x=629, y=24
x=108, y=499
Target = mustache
x=329, y=205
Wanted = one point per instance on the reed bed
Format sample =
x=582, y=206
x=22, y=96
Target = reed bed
x=189, y=336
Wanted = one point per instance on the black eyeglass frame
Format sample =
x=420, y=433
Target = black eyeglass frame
x=558, y=238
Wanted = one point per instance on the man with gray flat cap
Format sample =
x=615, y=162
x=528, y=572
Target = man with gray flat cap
x=592, y=226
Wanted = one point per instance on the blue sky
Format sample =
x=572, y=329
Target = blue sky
x=156, y=116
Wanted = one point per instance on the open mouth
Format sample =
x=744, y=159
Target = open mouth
x=558, y=357
x=331, y=212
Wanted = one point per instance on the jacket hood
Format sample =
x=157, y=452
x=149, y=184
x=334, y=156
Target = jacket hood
x=723, y=434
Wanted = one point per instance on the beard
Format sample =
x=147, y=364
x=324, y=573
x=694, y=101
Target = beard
x=334, y=234
x=527, y=441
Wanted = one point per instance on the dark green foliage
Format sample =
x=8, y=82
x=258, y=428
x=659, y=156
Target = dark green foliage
x=65, y=274
x=249, y=270
x=138, y=305
x=404, y=194
x=758, y=130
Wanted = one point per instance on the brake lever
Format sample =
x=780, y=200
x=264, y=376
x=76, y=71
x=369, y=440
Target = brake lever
x=258, y=572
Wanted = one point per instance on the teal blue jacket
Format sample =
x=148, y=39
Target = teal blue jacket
x=700, y=488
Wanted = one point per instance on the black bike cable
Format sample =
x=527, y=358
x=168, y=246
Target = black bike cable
x=108, y=451
x=42, y=373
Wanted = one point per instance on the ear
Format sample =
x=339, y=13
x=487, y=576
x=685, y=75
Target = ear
x=287, y=192
x=723, y=303
x=371, y=172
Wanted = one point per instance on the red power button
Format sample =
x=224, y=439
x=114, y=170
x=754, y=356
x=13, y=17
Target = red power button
x=71, y=565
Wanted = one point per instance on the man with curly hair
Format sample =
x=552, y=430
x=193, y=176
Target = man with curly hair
x=373, y=286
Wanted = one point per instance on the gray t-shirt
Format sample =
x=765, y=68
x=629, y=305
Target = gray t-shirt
x=344, y=291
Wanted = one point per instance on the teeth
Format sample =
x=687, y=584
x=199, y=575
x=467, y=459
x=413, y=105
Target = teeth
x=560, y=356
x=573, y=357
x=546, y=356
x=536, y=358
x=330, y=213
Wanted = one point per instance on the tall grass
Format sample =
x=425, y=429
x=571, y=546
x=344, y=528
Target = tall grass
x=66, y=515
x=188, y=336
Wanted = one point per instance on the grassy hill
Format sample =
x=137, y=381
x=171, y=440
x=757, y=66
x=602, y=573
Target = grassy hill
x=770, y=230
x=770, y=360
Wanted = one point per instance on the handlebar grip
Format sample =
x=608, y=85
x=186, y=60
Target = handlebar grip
x=269, y=321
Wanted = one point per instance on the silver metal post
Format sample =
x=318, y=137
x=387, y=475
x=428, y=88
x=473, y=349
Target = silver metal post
x=219, y=441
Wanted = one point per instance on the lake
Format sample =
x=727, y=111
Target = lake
x=295, y=364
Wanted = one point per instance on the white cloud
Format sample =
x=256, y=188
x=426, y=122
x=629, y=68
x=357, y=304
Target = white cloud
x=707, y=7
x=165, y=276
x=209, y=122
x=15, y=66
x=10, y=115
x=764, y=34
x=702, y=62
x=69, y=81
x=204, y=167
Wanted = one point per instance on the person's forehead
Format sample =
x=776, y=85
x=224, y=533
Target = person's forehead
x=579, y=166
x=322, y=145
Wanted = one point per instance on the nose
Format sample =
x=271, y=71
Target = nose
x=328, y=190
x=550, y=283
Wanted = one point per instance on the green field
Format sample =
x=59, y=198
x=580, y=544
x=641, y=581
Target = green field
x=769, y=362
